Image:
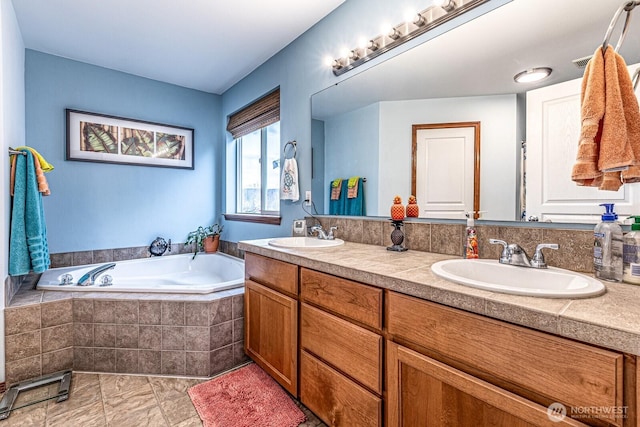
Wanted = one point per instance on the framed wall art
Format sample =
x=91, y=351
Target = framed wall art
x=95, y=137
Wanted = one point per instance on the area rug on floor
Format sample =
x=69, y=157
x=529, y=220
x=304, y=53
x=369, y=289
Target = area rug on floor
x=247, y=397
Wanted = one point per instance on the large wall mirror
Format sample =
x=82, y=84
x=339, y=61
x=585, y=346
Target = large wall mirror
x=363, y=125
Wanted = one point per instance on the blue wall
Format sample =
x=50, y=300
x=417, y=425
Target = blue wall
x=299, y=71
x=99, y=205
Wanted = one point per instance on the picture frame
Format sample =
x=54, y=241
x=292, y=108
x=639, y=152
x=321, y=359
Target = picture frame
x=93, y=137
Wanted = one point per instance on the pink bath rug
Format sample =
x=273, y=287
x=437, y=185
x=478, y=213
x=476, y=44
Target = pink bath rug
x=247, y=397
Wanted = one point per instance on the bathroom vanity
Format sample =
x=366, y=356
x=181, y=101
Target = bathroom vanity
x=364, y=337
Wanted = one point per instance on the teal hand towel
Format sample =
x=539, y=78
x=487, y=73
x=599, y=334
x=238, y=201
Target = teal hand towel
x=28, y=247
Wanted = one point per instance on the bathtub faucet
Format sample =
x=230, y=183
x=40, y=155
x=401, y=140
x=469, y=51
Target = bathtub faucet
x=89, y=278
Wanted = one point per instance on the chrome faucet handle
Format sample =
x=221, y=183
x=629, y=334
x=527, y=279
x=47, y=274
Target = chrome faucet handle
x=330, y=235
x=505, y=255
x=538, y=258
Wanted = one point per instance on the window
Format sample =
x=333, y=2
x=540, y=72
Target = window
x=259, y=171
x=256, y=132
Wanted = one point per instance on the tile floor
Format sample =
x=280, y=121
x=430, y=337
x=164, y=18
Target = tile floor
x=116, y=400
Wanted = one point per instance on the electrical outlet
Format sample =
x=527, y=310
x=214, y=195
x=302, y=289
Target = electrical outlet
x=307, y=198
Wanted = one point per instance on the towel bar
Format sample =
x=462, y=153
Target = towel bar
x=627, y=6
x=12, y=151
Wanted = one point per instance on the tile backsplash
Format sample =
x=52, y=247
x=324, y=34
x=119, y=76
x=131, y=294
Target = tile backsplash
x=575, y=252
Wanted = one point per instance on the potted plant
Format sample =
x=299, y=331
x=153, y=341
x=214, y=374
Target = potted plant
x=205, y=238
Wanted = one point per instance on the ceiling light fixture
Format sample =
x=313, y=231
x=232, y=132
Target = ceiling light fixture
x=532, y=75
x=419, y=23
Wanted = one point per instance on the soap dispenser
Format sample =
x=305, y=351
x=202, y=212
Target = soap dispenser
x=471, y=246
x=631, y=253
x=607, y=246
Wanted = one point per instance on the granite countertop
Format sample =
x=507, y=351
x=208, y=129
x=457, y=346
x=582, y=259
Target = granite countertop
x=611, y=320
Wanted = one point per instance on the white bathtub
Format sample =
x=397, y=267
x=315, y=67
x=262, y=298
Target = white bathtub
x=175, y=274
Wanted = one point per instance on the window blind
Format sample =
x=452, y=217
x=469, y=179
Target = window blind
x=261, y=113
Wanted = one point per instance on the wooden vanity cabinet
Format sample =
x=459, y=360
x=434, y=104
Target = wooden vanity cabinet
x=271, y=318
x=341, y=354
x=508, y=374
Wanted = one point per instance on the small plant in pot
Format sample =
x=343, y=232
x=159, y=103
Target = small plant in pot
x=205, y=238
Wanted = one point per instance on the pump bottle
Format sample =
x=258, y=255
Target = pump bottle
x=631, y=254
x=607, y=246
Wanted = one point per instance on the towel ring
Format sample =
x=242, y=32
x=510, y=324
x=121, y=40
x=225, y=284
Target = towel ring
x=627, y=7
x=295, y=150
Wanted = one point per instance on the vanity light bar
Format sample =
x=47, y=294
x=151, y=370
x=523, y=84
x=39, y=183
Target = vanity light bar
x=440, y=12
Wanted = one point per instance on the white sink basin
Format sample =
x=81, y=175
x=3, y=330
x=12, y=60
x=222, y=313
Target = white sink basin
x=304, y=243
x=493, y=276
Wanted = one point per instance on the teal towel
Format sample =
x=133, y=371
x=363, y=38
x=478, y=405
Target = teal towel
x=28, y=248
x=346, y=206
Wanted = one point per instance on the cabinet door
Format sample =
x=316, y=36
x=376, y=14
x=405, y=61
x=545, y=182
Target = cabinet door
x=271, y=333
x=424, y=392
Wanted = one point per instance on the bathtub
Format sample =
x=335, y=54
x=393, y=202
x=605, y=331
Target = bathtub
x=174, y=274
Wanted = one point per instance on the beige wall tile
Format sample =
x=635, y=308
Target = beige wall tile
x=196, y=314
x=20, y=346
x=150, y=337
x=172, y=313
x=57, y=313
x=127, y=312
x=104, y=335
x=149, y=362
x=22, y=319
x=221, y=360
x=150, y=312
x=197, y=363
x=127, y=361
x=57, y=337
x=221, y=335
x=197, y=338
x=83, y=334
x=173, y=362
x=221, y=310
x=447, y=238
x=83, y=358
x=58, y=360
x=83, y=310
x=127, y=336
x=238, y=306
x=104, y=359
x=104, y=311
x=173, y=337
x=23, y=369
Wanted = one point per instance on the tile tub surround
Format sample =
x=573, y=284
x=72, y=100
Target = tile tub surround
x=611, y=320
x=165, y=334
x=575, y=252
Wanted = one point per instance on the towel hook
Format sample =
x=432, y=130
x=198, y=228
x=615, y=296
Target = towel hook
x=626, y=7
x=295, y=150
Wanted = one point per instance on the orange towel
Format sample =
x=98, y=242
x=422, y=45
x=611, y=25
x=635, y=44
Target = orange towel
x=613, y=146
x=43, y=185
x=585, y=170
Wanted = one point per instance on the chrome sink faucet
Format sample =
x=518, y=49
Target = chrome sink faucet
x=513, y=254
x=322, y=235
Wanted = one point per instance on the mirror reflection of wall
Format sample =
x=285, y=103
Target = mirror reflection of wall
x=463, y=75
x=375, y=141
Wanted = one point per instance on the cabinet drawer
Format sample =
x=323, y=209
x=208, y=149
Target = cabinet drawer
x=354, y=300
x=271, y=272
x=351, y=349
x=334, y=398
x=556, y=368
